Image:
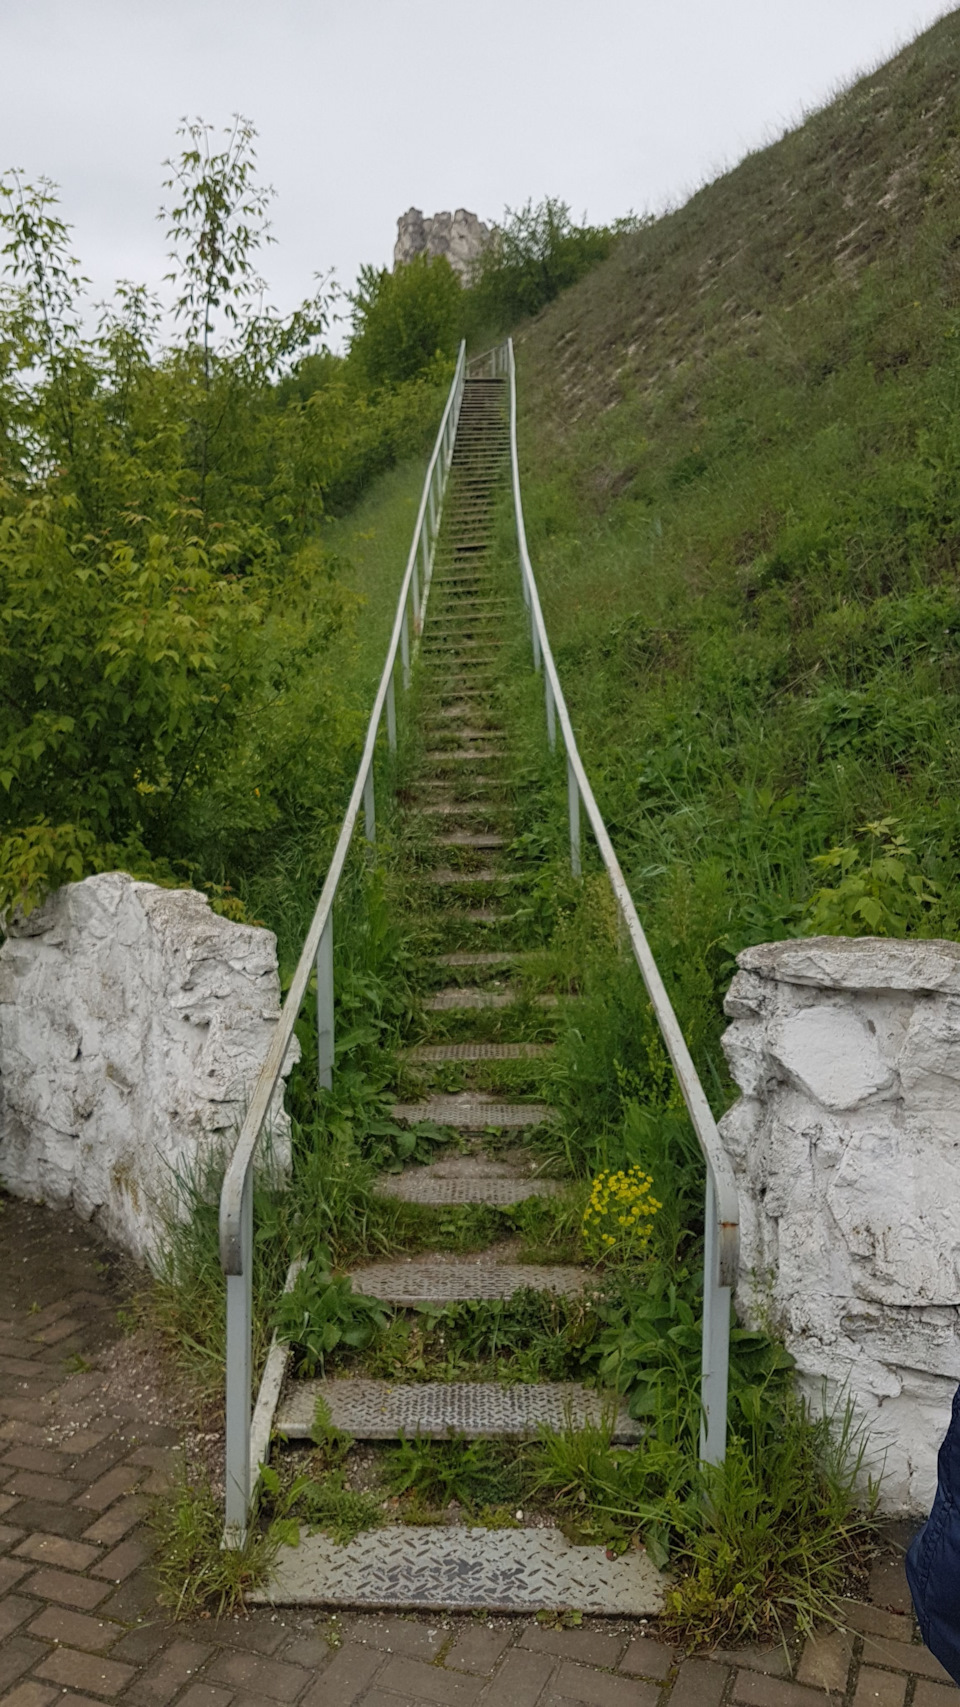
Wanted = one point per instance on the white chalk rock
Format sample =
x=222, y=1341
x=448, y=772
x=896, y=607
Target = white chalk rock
x=133, y=1024
x=832, y=1054
x=846, y=1149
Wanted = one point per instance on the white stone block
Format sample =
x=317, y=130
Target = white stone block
x=846, y=1148
x=133, y=1024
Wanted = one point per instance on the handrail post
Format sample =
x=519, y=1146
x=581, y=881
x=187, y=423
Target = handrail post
x=325, y=1035
x=239, y=1366
x=551, y=713
x=573, y=808
x=392, y=715
x=715, y=1356
x=535, y=637
x=405, y=650
x=425, y=554
x=369, y=807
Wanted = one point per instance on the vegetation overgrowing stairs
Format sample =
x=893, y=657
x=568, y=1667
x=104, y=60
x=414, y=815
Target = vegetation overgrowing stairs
x=477, y=1019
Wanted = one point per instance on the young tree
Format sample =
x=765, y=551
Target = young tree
x=404, y=320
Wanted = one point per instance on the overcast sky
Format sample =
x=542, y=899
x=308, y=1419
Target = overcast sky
x=365, y=107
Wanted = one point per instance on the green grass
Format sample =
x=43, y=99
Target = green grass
x=740, y=459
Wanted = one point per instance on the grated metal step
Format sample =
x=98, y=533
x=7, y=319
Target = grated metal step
x=488, y=957
x=444, y=1569
x=473, y=1111
x=482, y=1410
x=427, y=1052
x=438, y=1277
x=463, y=1000
x=470, y=839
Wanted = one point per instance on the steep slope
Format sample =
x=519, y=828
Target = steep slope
x=742, y=476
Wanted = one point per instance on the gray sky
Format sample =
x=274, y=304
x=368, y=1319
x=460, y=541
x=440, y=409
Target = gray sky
x=367, y=106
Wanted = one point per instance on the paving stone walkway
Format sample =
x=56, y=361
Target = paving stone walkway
x=79, y=1619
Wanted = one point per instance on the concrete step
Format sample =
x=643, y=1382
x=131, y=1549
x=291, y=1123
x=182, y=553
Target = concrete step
x=439, y=1277
x=438, y=1568
x=481, y=1410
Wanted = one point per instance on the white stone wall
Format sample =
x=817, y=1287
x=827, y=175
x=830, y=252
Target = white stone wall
x=133, y=1023
x=846, y=1147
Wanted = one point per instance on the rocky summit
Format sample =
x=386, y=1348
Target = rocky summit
x=460, y=236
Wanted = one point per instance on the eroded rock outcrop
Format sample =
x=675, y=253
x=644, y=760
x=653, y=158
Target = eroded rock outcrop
x=846, y=1146
x=133, y=1023
x=460, y=236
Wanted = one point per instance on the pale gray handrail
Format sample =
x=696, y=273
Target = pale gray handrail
x=722, y=1218
x=236, y=1197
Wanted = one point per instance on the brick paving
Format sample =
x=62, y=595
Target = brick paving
x=80, y=1623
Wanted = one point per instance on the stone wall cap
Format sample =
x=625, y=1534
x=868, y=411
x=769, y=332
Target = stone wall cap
x=858, y=963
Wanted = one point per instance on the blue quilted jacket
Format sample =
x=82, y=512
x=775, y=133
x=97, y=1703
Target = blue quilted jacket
x=933, y=1559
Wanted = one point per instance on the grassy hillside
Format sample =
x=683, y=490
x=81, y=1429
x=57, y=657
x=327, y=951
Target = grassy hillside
x=741, y=454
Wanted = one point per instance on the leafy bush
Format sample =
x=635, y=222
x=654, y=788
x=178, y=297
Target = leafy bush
x=534, y=253
x=406, y=323
x=164, y=592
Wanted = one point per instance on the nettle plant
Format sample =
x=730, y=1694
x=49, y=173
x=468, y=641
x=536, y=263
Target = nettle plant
x=878, y=889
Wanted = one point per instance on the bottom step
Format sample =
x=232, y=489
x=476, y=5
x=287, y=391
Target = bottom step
x=443, y=1569
x=475, y=1410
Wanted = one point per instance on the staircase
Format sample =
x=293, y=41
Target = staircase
x=479, y=1020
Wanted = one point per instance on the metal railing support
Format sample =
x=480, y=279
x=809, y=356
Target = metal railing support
x=369, y=807
x=715, y=1354
x=325, y=1036
x=405, y=652
x=239, y=1369
x=391, y=716
x=573, y=813
x=551, y=714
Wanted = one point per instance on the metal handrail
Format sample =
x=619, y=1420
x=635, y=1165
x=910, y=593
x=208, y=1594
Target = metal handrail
x=722, y=1216
x=236, y=1197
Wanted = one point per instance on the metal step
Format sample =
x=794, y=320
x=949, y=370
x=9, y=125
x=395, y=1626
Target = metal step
x=472, y=1112
x=427, y=1052
x=439, y=1568
x=465, y=1000
x=444, y=1185
x=438, y=1277
x=470, y=839
x=468, y=756
x=443, y=878
x=485, y=957
x=482, y=1410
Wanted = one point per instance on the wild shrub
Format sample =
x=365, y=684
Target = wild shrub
x=406, y=323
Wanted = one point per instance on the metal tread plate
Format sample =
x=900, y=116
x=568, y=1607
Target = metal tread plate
x=442, y=1278
x=478, y=1410
x=445, y=1569
x=478, y=1051
x=473, y=1110
x=497, y=1193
